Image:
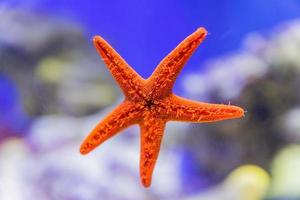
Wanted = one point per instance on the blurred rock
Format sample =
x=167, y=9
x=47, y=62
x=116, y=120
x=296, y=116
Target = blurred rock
x=264, y=79
x=53, y=64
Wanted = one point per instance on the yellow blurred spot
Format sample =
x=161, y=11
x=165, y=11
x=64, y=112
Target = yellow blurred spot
x=51, y=69
x=285, y=173
x=248, y=182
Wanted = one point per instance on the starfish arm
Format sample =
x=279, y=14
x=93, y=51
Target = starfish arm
x=123, y=116
x=163, y=78
x=151, y=135
x=129, y=81
x=180, y=109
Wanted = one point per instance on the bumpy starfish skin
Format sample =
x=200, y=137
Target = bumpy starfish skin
x=150, y=103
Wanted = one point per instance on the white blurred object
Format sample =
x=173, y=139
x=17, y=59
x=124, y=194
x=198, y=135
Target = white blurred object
x=226, y=75
x=291, y=125
x=229, y=74
x=13, y=155
x=20, y=28
x=284, y=47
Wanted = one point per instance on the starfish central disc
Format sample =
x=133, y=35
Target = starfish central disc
x=151, y=104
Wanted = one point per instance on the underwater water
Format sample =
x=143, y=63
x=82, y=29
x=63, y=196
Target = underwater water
x=54, y=88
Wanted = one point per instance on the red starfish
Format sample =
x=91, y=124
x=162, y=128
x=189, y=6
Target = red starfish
x=150, y=103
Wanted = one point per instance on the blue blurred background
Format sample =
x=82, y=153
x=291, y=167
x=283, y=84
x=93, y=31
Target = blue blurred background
x=145, y=31
x=54, y=88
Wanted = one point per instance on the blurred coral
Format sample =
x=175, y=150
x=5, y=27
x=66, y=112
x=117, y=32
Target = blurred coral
x=263, y=77
x=53, y=89
x=54, y=67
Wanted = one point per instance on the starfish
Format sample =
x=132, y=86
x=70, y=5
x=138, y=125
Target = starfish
x=150, y=103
